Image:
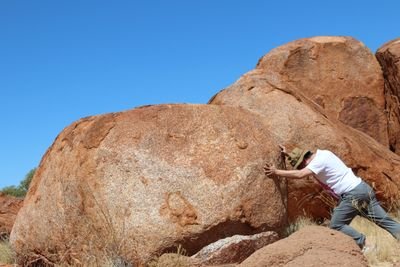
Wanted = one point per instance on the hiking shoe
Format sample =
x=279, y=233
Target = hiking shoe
x=368, y=249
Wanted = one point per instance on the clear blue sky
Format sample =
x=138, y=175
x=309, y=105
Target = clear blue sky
x=64, y=60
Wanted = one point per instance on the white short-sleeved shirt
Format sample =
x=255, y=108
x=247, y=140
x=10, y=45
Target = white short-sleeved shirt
x=330, y=170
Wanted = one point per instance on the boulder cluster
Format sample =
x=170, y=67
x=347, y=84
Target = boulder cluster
x=133, y=185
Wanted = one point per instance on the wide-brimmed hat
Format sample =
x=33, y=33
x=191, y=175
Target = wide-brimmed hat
x=296, y=156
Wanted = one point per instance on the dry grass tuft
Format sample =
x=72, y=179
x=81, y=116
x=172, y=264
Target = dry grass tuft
x=178, y=259
x=101, y=261
x=6, y=253
x=387, y=247
x=298, y=224
x=170, y=260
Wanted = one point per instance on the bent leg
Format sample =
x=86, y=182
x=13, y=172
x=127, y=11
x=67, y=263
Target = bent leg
x=342, y=216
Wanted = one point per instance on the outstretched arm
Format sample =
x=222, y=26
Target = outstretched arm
x=270, y=169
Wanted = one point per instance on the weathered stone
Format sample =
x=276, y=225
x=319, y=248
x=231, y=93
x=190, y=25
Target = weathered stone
x=311, y=246
x=234, y=249
x=389, y=58
x=296, y=120
x=340, y=74
x=9, y=208
x=137, y=184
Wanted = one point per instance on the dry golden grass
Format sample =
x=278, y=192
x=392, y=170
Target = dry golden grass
x=103, y=261
x=170, y=260
x=387, y=248
x=298, y=224
x=6, y=254
x=178, y=259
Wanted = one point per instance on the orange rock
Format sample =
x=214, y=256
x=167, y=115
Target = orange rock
x=389, y=58
x=297, y=119
x=311, y=246
x=340, y=74
x=9, y=207
x=234, y=249
x=141, y=182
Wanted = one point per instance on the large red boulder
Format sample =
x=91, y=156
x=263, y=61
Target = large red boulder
x=9, y=208
x=136, y=184
x=340, y=74
x=389, y=58
x=312, y=246
x=297, y=119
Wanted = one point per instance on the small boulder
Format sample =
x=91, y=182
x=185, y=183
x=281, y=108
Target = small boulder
x=312, y=246
x=234, y=249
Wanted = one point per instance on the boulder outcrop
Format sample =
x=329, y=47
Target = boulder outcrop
x=137, y=184
x=131, y=186
x=311, y=246
x=297, y=119
x=340, y=74
x=9, y=208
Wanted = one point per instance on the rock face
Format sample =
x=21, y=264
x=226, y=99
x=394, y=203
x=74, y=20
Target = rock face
x=234, y=249
x=137, y=184
x=340, y=74
x=297, y=119
x=9, y=207
x=312, y=246
x=389, y=58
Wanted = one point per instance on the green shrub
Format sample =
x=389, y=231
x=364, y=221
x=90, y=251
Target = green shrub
x=22, y=188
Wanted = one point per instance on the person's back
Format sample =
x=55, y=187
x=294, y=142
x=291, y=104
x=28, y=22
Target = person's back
x=331, y=170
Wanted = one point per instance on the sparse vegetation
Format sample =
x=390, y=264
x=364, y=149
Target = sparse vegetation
x=22, y=188
x=177, y=259
x=6, y=254
x=298, y=224
x=386, y=248
x=102, y=261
